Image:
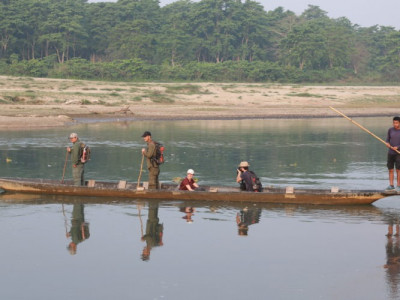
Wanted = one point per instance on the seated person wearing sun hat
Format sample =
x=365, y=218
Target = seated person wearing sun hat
x=188, y=183
x=247, y=179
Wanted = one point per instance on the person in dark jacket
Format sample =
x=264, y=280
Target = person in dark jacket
x=244, y=177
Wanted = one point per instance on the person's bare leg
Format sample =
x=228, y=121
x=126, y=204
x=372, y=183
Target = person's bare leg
x=391, y=176
x=398, y=177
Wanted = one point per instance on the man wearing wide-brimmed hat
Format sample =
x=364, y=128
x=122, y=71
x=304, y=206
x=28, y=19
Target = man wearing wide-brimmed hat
x=244, y=177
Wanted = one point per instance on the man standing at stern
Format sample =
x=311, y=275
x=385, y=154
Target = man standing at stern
x=77, y=165
x=150, y=154
x=393, y=159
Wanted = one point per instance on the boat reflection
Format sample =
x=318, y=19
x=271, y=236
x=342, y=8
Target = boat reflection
x=79, y=230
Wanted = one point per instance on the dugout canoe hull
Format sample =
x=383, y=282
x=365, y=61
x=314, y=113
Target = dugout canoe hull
x=211, y=193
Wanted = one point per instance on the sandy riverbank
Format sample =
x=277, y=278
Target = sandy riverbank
x=38, y=102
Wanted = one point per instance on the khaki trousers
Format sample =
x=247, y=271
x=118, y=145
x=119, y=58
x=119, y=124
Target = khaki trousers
x=77, y=175
x=153, y=178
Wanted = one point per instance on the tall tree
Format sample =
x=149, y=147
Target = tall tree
x=214, y=29
x=339, y=42
x=101, y=18
x=12, y=25
x=64, y=29
x=254, y=32
x=136, y=35
x=314, y=12
x=390, y=61
x=280, y=24
x=306, y=46
x=176, y=42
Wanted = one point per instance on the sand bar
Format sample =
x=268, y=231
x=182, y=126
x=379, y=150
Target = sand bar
x=43, y=103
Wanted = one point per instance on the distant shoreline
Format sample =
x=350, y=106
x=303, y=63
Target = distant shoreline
x=21, y=123
x=105, y=119
x=47, y=103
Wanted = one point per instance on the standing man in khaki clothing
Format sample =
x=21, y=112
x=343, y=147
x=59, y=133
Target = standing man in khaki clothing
x=152, y=166
x=77, y=164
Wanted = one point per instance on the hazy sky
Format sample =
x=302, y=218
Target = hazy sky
x=362, y=12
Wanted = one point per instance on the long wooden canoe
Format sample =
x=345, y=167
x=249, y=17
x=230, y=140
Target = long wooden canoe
x=123, y=189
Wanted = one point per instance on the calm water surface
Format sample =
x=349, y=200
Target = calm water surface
x=57, y=247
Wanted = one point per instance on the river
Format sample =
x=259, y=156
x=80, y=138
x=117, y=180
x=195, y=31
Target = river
x=56, y=247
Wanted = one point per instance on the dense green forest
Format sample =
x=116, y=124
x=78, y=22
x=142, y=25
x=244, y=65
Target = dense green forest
x=215, y=40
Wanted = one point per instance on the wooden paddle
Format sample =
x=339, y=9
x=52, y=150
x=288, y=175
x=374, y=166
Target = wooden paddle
x=140, y=175
x=65, y=166
x=362, y=127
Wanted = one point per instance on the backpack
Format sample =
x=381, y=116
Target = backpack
x=257, y=186
x=85, y=153
x=159, y=158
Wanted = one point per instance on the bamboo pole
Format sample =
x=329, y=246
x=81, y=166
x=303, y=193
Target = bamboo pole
x=140, y=173
x=363, y=128
x=139, y=206
x=65, y=166
x=65, y=221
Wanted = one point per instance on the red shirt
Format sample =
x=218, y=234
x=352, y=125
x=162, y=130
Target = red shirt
x=186, y=182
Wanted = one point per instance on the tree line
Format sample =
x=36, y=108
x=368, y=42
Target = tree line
x=218, y=40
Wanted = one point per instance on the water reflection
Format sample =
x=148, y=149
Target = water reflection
x=245, y=218
x=154, y=231
x=189, y=213
x=79, y=231
x=331, y=252
x=392, y=266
